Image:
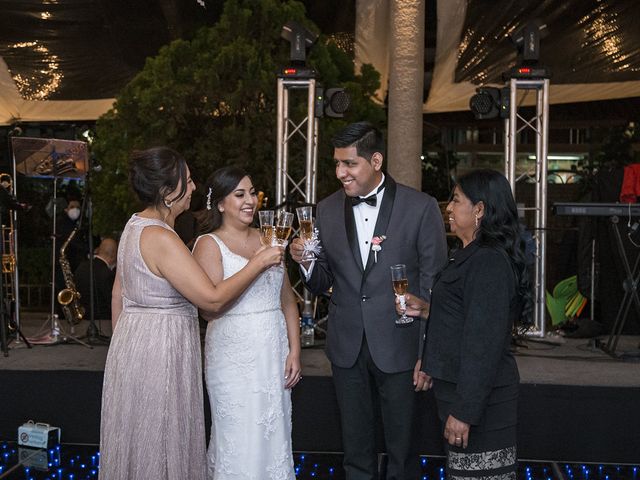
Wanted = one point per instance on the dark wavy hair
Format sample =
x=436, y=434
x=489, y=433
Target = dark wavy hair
x=221, y=182
x=364, y=136
x=499, y=227
x=156, y=172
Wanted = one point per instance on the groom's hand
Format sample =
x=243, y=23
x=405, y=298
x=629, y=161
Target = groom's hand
x=296, y=249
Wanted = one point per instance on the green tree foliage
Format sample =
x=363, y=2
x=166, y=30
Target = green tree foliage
x=213, y=99
x=437, y=168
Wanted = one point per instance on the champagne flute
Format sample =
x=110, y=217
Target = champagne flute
x=283, y=228
x=266, y=226
x=400, y=286
x=305, y=219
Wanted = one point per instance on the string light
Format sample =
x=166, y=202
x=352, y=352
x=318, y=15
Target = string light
x=42, y=83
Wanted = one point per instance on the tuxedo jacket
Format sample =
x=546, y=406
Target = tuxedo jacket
x=362, y=299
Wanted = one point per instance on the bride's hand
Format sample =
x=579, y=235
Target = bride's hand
x=292, y=371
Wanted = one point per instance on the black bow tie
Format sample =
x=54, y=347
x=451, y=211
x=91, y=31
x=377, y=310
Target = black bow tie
x=370, y=200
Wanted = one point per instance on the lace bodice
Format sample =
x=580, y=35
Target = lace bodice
x=264, y=293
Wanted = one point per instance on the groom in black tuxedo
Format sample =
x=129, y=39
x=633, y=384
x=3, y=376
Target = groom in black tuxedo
x=370, y=355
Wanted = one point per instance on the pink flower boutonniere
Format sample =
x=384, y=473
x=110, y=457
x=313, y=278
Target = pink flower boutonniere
x=376, y=246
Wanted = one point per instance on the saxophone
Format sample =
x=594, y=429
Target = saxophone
x=69, y=296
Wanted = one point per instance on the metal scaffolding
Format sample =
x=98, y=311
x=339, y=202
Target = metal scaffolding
x=539, y=123
x=306, y=128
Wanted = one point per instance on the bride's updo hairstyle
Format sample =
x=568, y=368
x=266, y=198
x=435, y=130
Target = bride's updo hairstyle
x=156, y=172
x=219, y=184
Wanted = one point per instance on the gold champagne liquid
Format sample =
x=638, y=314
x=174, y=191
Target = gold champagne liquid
x=400, y=286
x=267, y=234
x=282, y=233
x=306, y=229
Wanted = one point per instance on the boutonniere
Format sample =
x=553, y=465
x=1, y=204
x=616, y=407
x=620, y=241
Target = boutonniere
x=376, y=246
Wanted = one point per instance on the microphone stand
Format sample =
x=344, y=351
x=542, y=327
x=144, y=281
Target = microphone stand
x=58, y=333
x=94, y=334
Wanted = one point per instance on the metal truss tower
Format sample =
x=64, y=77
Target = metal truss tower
x=539, y=123
x=288, y=129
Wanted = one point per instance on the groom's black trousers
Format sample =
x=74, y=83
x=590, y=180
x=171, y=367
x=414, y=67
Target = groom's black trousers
x=356, y=387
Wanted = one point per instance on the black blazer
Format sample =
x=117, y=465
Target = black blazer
x=362, y=300
x=473, y=306
x=103, y=279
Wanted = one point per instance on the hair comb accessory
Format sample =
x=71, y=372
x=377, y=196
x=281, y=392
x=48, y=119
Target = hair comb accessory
x=209, y=199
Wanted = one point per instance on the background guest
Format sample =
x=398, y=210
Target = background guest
x=104, y=262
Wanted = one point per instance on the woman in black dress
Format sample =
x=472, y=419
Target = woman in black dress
x=475, y=301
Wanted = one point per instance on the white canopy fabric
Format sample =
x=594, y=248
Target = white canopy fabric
x=613, y=28
x=447, y=95
x=14, y=109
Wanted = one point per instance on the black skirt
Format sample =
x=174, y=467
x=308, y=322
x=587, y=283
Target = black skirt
x=491, y=449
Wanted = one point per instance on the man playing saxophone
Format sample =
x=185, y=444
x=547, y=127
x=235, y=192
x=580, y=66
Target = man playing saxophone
x=71, y=250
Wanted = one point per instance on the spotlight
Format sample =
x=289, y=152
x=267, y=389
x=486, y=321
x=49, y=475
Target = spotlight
x=527, y=42
x=490, y=102
x=300, y=39
x=333, y=102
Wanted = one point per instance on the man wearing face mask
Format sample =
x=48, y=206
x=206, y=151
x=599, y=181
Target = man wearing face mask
x=104, y=262
x=77, y=249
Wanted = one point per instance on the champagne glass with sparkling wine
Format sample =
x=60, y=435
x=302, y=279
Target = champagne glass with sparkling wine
x=266, y=226
x=305, y=219
x=283, y=228
x=400, y=286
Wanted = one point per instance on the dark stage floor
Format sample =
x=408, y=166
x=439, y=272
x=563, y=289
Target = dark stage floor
x=576, y=403
x=79, y=462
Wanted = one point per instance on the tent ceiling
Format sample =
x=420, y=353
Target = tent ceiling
x=592, y=47
x=67, y=59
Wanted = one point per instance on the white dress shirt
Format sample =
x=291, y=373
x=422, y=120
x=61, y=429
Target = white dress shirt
x=366, y=216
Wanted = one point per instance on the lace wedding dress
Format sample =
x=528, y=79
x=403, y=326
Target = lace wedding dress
x=245, y=353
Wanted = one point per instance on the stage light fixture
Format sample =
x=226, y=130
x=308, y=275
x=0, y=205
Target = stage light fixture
x=490, y=102
x=337, y=102
x=333, y=102
x=297, y=72
x=527, y=42
x=300, y=39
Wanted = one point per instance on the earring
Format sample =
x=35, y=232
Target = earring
x=167, y=204
x=476, y=219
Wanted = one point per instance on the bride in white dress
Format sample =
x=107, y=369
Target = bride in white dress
x=252, y=350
